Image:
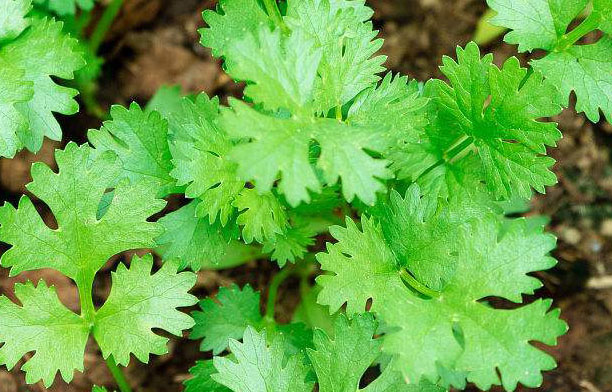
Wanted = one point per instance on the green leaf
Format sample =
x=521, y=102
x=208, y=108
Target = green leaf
x=488, y=112
x=140, y=140
x=281, y=146
x=586, y=70
x=363, y=267
x=14, y=91
x=96, y=388
x=43, y=51
x=535, y=24
x=143, y=301
x=192, y=240
x=226, y=317
x=262, y=216
x=82, y=243
x=454, y=329
x=395, y=106
x=13, y=18
x=281, y=71
x=200, y=156
x=66, y=7
x=233, y=20
x=289, y=246
x=342, y=30
x=259, y=367
x=392, y=381
x=44, y=325
x=167, y=100
x=202, y=380
x=341, y=362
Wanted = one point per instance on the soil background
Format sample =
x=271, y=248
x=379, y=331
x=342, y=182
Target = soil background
x=155, y=43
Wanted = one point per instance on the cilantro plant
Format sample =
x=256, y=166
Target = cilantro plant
x=409, y=178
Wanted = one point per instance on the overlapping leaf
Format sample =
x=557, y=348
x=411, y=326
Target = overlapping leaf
x=584, y=69
x=41, y=52
x=66, y=7
x=493, y=115
x=452, y=330
x=140, y=140
x=226, y=318
x=259, y=367
x=92, y=226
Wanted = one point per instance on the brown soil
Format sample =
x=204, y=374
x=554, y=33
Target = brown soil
x=154, y=43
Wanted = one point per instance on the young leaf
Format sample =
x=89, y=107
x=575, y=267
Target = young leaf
x=143, y=301
x=44, y=325
x=453, y=329
x=13, y=18
x=282, y=71
x=233, y=20
x=140, y=140
x=290, y=245
x=202, y=380
x=281, y=145
x=200, y=156
x=261, y=215
x=226, y=318
x=342, y=30
x=43, y=51
x=259, y=367
x=489, y=112
x=193, y=241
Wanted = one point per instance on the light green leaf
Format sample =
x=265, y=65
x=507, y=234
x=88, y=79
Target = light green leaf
x=226, y=317
x=82, y=243
x=44, y=325
x=281, y=70
x=262, y=216
x=342, y=30
x=233, y=20
x=259, y=367
x=585, y=69
x=43, y=51
x=140, y=140
x=200, y=156
x=13, y=18
x=143, y=301
x=453, y=329
x=535, y=24
x=281, y=146
x=363, y=267
x=14, y=90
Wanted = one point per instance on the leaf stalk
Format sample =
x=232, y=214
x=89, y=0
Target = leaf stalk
x=118, y=375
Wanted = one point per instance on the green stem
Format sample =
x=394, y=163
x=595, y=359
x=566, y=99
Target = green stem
x=82, y=22
x=589, y=24
x=85, y=288
x=118, y=375
x=461, y=146
x=274, y=13
x=416, y=285
x=104, y=24
x=277, y=280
